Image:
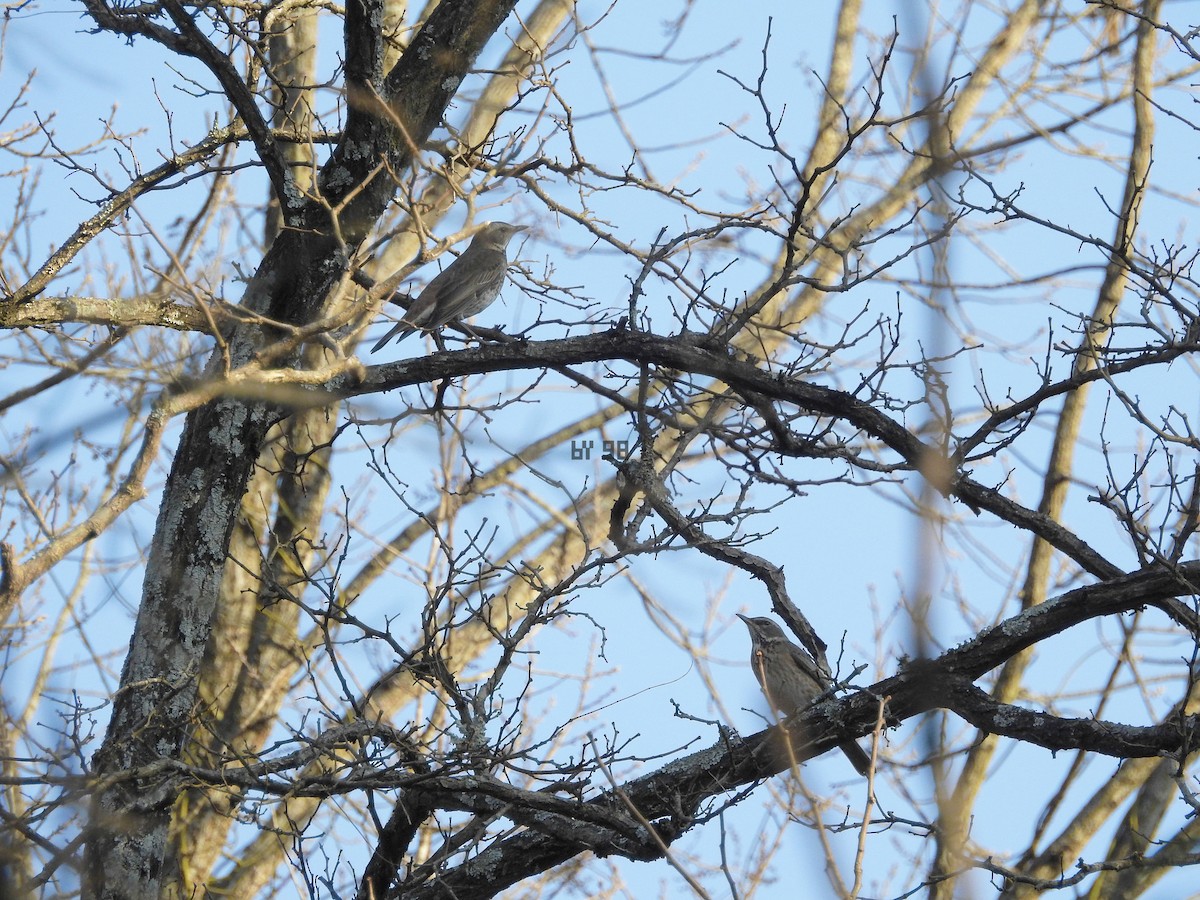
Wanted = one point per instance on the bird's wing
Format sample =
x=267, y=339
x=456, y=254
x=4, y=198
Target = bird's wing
x=478, y=275
x=810, y=668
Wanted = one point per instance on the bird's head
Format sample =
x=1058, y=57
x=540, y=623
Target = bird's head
x=762, y=629
x=498, y=234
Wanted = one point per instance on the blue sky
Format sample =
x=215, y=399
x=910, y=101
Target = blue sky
x=850, y=555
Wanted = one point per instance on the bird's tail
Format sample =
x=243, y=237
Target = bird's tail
x=857, y=756
x=399, y=331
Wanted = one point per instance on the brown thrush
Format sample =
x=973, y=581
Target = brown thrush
x=790, y=678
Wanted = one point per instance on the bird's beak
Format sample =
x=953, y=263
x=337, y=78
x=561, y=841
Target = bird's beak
x=743, y=618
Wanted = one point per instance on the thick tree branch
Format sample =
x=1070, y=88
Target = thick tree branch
x=1057, y=733
x=158, y=310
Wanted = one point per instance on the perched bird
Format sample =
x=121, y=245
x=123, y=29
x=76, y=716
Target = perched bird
x=790, y=678
x=465, y=288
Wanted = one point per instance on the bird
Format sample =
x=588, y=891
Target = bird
x=465, y=288
x=790, y=678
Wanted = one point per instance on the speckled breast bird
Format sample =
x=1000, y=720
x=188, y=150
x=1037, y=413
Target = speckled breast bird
x=790, y=678
x=465, y=288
